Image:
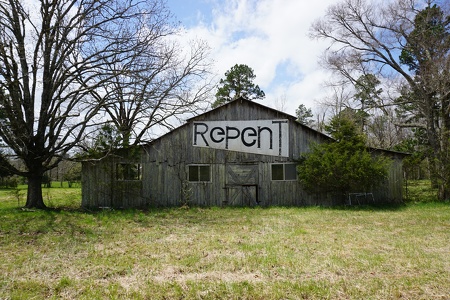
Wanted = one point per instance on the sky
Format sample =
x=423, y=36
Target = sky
x=270, y=36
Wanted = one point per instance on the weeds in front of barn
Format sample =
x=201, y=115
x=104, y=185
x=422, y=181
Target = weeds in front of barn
x=196, y=253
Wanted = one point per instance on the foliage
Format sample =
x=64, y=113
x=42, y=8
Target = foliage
x=9, y=181
x=357, y=116
x=105, y=140
x=428, y=46
x=367, y=90
x=238, y=82
x=424, y=43
x=343, y=165
x=366, y=37
x=304, y=115
x=415, y=165
x=4, y=170
x=366, y=93
x=420, y=191
x=73, y=174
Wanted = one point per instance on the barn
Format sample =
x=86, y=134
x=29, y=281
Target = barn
x=239, y=154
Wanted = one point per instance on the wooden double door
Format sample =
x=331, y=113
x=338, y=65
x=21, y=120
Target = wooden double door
x=241, y=184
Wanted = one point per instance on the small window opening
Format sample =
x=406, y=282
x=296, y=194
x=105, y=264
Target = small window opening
x=199, y=173
x=284, y=172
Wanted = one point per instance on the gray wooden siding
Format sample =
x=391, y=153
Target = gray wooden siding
x=392, y=190
x=100, y=187
x=165, y=164
x=96, y=184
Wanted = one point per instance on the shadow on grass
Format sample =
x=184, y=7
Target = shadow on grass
x=76, y=224
x=391, y=207
x=79, y=221
x=371, y=207
x=35, y=222
x=163, y=211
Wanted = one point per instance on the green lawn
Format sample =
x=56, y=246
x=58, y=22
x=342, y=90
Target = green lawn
x=274, y=253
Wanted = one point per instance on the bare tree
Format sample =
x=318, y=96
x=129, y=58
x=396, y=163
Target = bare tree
x=368, y=38
x=383, y=131
x=52, y=68
x=280, y=102
x=337, y=100
x=161, y=83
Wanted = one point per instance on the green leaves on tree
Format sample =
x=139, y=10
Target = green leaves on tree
x=343, y=165
x=238, y=82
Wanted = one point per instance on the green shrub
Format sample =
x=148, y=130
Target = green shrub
x=343, y=165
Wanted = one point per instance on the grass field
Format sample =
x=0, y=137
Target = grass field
x=222, y=253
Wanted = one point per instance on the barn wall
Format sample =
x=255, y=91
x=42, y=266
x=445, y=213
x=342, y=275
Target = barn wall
x=392, y=190
x=168, y=158
x=165, y=164
x=96, y=184
x=100, y=187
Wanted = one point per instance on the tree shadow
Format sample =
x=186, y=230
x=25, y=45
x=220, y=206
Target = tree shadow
x=371, y=207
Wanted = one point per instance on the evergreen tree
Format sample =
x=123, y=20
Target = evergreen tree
x=304, y=115
x=238, y=82
x=343, y=165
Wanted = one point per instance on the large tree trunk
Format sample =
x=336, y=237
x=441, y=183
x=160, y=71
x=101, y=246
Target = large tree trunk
x=434, y=139
x=444, y=187
x=34, y=196
x=444, y=192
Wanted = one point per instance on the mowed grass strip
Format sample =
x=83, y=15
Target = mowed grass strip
x=224, y=253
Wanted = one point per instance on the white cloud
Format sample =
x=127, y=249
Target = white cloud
x=270, y=36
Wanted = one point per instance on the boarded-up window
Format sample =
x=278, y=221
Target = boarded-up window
x=284, y=172
x=290, y=172
x=199, y=173
x=126, y=171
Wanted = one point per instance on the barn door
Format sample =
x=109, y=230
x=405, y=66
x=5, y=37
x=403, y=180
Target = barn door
x=241, y=185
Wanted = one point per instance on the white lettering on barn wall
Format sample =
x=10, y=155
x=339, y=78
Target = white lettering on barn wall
x=269, y=137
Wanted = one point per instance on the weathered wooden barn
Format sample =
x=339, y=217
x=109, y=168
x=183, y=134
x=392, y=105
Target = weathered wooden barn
x=239, y=154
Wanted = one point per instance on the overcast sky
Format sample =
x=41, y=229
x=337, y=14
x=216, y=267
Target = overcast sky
x=270, y=36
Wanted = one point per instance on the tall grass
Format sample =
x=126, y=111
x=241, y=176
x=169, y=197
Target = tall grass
x=420, y=191
x=223, y=253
